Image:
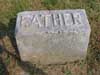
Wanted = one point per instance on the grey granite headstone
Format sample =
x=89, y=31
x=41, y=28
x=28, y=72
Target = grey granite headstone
x=55, y=36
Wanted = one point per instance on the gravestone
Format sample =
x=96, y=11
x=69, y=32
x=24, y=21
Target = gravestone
x=52, y=36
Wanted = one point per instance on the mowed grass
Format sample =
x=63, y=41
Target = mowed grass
x=10, y=8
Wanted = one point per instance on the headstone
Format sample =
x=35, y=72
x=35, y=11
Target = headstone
x=51, y=37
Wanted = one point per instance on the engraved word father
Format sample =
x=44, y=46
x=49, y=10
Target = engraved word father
x=51, y=22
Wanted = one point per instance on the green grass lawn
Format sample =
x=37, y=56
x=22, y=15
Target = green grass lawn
x=10, y=8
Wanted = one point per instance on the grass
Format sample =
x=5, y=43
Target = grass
x=68, y=72
x=10, y=8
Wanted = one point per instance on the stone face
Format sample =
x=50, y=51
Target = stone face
x=49, y=37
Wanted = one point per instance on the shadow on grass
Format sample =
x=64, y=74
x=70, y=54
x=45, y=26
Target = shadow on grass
x=10, y=33
x=3, y=69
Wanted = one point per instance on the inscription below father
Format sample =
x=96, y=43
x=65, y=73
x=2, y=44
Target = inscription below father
x=54, y=36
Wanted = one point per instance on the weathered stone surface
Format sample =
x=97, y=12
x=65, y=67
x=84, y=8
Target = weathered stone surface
x=55, y=36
